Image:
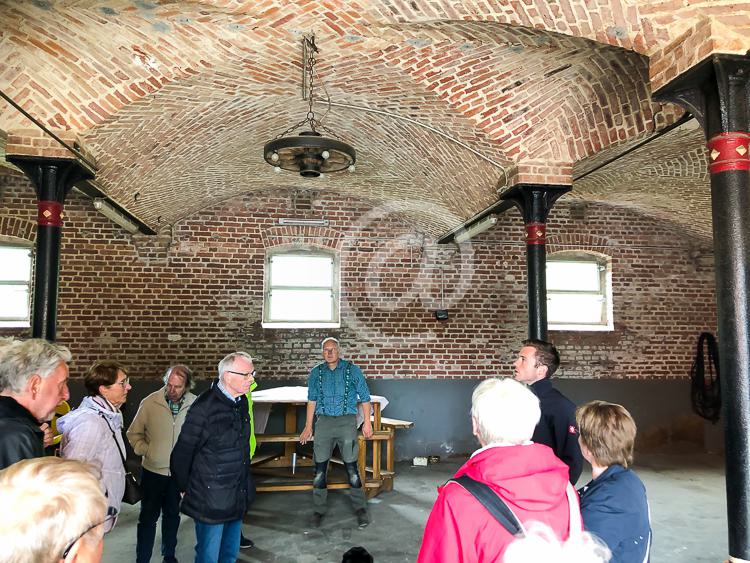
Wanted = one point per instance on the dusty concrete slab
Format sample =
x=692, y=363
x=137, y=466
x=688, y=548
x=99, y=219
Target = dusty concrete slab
x=686, y=493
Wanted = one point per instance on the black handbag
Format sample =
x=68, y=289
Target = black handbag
x=132, y=493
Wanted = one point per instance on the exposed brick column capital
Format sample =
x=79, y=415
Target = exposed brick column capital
x=544, y=173
x=36, y=143
x=706, y=37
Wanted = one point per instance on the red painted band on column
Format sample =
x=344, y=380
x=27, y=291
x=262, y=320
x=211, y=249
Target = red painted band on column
x=49, y=213
x=536, y=233
x=729, y=151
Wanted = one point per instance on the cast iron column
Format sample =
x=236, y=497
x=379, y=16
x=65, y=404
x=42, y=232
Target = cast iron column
x=717, y=93
x=52, y=178
x=535, y=201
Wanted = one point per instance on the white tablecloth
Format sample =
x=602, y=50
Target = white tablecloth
x=262, y=401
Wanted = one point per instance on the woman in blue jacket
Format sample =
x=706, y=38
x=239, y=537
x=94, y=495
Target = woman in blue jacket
x=613, y=504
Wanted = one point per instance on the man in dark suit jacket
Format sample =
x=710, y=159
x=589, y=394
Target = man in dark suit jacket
x=557, y=428
x=211, y=461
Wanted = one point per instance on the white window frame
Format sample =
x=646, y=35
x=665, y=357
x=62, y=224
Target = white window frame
x=604, y=263
x=7, y=322
x=305, y=251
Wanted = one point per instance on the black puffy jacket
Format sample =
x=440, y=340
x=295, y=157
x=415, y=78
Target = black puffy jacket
x=20, y=436
x=211, y=459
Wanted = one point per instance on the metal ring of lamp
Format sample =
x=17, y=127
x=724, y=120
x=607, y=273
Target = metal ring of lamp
x=309, y=153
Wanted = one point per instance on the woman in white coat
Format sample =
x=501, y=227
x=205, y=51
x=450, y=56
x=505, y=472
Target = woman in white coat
x=93, y=431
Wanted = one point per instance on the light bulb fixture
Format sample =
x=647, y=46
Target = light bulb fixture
x=289, y=221
x=475, y=229
x=309, y=152
x=115, y=216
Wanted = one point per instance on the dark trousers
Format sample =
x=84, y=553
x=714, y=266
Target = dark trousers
x=160, y=495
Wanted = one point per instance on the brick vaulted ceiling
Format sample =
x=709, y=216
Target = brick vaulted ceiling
x=446, y=101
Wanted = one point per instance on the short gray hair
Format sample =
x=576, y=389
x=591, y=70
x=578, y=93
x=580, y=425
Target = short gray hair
x=330, y=339
x=229, y=360
x=506, y=411
x=61, y=499
x=184, y=370
x=20, y=359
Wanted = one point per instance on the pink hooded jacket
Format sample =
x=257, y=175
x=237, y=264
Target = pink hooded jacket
x=531, y=481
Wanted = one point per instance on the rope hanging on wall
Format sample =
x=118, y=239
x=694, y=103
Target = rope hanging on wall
x=705, y=389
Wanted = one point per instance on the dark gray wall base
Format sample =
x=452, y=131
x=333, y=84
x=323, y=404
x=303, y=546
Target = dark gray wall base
x=440, y=410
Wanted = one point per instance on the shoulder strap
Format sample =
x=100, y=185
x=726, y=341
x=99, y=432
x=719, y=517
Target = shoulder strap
x=492, y=502
x=104, y=418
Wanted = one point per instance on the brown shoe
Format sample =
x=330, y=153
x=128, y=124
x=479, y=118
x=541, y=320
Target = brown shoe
x=317, y=518
x=362, y=519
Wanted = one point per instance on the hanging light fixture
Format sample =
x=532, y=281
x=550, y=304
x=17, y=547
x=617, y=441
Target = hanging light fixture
x=309, y=152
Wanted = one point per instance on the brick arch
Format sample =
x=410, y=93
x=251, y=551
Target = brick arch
x=295, y=236
x=15, y=227
x=581, y=242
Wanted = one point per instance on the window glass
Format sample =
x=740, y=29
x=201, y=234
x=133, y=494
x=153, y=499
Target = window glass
x=15, y=279
x=14, y=302
x=16, y=263
x=584, y=308
x=579, y=291
x=301, y=271
x=301, y=289
x=309, y=305
x=573, y=276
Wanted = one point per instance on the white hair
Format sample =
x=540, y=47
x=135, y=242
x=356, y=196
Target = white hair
x=229, y=359
x=20, y=359
x=49, y=502
x=505, y=411
x=540, y=545
x=330, y=339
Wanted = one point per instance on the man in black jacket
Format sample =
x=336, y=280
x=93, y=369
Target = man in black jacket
x=33, y=381
x=557, y=428
x=211, y=461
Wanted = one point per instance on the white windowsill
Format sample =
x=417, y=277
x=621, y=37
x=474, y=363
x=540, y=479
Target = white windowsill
x=15, y=324
x=582, y=328
x=291, y=325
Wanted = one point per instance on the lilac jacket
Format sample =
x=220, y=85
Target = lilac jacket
x=86, y=436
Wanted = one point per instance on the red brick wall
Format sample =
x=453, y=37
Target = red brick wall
x=194, y=292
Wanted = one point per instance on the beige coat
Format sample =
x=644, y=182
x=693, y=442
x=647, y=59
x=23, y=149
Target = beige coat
x=154, y=430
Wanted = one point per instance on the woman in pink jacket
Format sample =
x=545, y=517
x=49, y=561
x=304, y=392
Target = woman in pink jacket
x=528, y=477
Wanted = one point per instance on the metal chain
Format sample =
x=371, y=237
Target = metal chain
x=310, y=66
x=315, y=124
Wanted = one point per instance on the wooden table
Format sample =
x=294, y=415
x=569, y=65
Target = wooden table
x=279, y=472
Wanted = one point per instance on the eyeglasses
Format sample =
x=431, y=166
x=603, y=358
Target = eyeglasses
x=124, y=382
x=111, y=517
x=245, y=374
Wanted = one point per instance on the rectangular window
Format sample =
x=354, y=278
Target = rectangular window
x=579, y=293
x=15, y=280
x=301, y=290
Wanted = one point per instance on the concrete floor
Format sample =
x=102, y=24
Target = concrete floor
x=686, y=493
